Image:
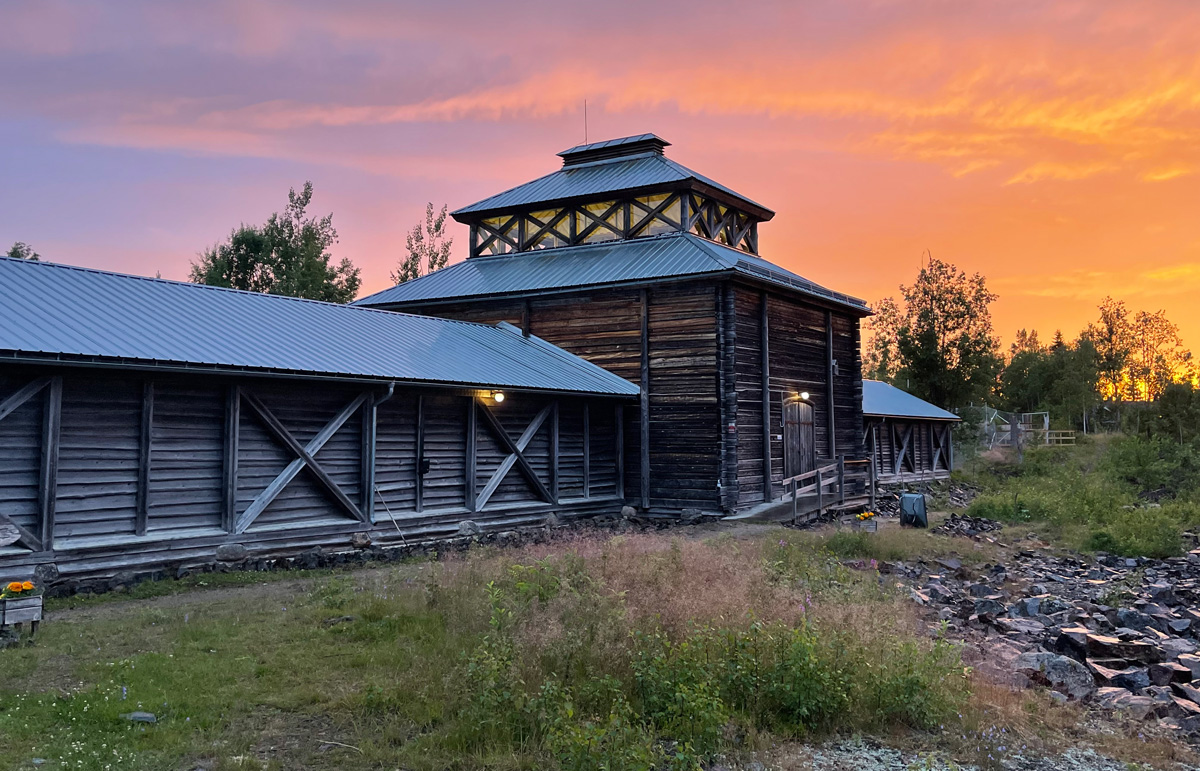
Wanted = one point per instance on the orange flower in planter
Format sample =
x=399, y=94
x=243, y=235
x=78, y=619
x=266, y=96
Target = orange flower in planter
x=27, y=586
x=15, y=587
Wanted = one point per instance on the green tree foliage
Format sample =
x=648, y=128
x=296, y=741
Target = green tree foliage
x=937, y=342
x=1158, y=358
x=289, y=255
x=1178, y=415
x=1061, y=379
x=1112, y=337
x=427, y=245
x=23, y=251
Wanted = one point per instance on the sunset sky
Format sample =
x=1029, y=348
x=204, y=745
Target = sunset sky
x=1053, y=146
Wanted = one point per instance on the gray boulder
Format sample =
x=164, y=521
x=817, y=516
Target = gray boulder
x=1059, y=673
x=231, y=552
x=468, y=528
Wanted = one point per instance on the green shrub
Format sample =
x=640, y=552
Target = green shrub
x=612, y=741
x=1144, y=532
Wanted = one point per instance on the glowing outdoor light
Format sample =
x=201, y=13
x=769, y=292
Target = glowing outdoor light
x=498, y=396
x=804, y=395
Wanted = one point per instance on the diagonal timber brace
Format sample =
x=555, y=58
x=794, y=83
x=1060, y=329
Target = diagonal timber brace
x=304, y=460
x=516, y=453
x=26, y=537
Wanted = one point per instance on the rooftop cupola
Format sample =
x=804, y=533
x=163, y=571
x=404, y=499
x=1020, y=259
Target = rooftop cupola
x=619, y=189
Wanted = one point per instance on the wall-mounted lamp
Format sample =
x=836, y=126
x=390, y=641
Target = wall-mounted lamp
x=804, y=395
x=498, y=396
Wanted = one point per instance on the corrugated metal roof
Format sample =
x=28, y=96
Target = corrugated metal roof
x=607, y=144
x=62, y=312
x=611, y=148
x=598, y=179
x=883, y=400
x=612, y=262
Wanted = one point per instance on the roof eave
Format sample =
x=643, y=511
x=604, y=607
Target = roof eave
x=467, y=215
x=816, y=299
x=954, y=419
x=170, y=367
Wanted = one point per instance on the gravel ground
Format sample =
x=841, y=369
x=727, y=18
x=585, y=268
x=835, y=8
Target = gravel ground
x=867, y=755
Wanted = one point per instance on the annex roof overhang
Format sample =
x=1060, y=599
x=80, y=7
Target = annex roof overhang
x=883, y=400
x=56, y=314
x=669, y=257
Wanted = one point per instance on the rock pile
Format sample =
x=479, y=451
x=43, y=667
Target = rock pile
x=1118, y=633
x=961, y=524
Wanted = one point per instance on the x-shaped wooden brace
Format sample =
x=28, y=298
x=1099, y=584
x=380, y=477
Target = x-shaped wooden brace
x=650, y=212
x=304, y=459
x=902, y=455
x=7, y=407
x=516, y=453
x=939, y=437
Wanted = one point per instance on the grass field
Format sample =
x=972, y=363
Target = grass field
x=642, y=651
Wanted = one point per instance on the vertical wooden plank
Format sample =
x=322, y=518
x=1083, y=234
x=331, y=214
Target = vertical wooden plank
x=730, y=430
x=722, y=407
x=620, y=432
x=367, y=475
x=48, y=477
x=766, y=396
x=841, y=477
x=144, y=455
x=526, y=314
x=587, y=452
x=829, y=390
x=874, y=475
x=419, y=502
x=469, y=474
x=645, y=400
x=233, y=423
x=554, y=452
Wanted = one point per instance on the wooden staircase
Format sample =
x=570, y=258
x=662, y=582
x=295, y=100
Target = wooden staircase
x=843, y=485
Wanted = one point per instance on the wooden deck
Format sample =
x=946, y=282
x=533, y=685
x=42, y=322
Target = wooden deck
x=842, y=485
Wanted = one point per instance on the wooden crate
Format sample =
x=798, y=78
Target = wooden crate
x=20, y=610
x=866, y=525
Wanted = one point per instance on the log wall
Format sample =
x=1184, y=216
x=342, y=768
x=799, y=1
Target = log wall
x=907, y=450
x=121, y=470
x=681, y=367
x=801, y=339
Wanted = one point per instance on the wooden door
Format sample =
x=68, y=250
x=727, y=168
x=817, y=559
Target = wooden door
x=799, y=455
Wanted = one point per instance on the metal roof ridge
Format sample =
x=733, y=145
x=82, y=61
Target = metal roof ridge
x=606, y=162
x=245, y=292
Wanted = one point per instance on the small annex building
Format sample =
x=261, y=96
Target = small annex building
x=145, y=423
x=750, y=375
x=910, y=440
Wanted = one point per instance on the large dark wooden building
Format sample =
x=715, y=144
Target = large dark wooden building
x=749, y=374
x=147, y=423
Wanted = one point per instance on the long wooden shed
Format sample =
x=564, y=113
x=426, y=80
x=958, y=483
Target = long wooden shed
x=910, y=440
x=146, y=423
x=750, y=374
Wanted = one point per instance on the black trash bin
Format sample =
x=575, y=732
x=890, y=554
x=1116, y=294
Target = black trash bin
x=912, y=510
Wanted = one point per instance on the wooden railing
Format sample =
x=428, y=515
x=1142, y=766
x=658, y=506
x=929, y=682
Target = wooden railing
x=830, y=484
x=1060, y=437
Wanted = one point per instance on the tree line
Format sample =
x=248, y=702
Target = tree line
x=937, y=341
x=291, y=254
